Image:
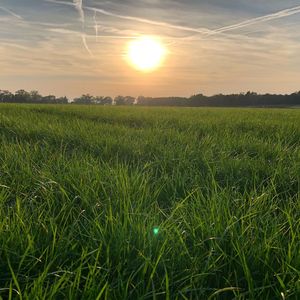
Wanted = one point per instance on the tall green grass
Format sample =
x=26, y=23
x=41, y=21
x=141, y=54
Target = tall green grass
x=82, y=189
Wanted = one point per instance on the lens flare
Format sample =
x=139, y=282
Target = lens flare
x=155, y=230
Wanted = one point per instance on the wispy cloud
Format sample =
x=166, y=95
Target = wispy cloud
x=277, y=15
x=227, y=32
x=83, y=37
x=205, y=31
x=78, y=33
x=96, y=25
x=11, y=12
x=148, y=21
x=61, y=2
x=78, y=6
x=137, y=19
x=208, y=48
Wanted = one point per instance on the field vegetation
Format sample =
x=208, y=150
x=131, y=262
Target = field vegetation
x=149, y=203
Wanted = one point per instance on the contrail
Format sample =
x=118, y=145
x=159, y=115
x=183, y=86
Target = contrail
x=141, y=20
x=277, y=15
x=83, y=37
x=61, y=2
x=78, y=6
x=11, y=13
x=147, y=21
x=205, y=31
x=96, y=25
x=71, y=32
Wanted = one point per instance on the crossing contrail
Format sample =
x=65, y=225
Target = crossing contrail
x=277, y=15
x=204, y=31
x=78, y=6
x=148, y=21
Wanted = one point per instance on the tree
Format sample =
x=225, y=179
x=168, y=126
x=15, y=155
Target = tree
x=140, y=100
x=128, y=100
x=6, y=96
x=62, y=100
x=35, y=97
x=84, y=99
x=119, y=100
x=21, y=96
x=107, y=101
x=101, y=100
x=49, y=99
x=98, y=100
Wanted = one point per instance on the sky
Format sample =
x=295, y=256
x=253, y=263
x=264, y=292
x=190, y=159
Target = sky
x=74, y=47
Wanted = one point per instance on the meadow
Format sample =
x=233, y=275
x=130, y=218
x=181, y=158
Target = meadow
x=149, y=203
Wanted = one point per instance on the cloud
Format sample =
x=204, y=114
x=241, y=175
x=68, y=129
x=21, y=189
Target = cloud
x=204, y=31
x=277, y=15
x=79, y=34
x=11, y=13
x=227, y=32
x=83, y=37
x=131, y=18
x=148, y=21
x=52, y=55
x=96, y=25
x=78, y=6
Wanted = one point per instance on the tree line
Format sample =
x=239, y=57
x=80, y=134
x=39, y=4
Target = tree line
x=249, y=99
x=22, y=96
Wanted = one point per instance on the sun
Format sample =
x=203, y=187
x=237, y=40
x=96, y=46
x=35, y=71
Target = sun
x=146, y=53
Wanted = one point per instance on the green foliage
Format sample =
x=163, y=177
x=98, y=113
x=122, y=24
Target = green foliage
x=84, y=190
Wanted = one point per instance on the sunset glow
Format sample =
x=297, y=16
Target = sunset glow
x=145, y=54
x=151, y=48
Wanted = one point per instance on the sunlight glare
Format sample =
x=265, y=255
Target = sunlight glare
x=146, y=53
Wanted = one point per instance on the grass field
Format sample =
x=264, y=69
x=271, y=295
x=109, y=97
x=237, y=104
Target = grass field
x=149, y=203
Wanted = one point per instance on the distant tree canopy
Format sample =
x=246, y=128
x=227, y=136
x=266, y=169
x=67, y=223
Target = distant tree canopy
x=249, y=99
x=121, y=100
x=88, y=99
x=22, y=96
